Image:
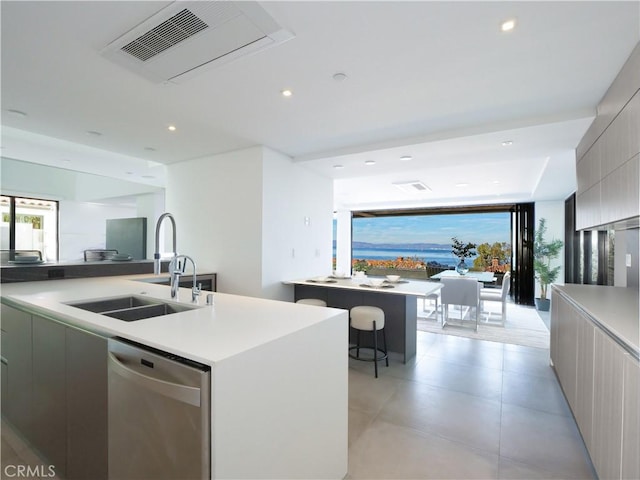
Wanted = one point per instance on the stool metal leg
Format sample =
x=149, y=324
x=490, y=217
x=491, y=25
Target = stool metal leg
x=384, y=342
x=375, y=348
x=357, y=343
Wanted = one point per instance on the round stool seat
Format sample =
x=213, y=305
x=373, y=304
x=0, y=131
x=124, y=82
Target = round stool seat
x=313, y=301
x=362, y=318
x=370, y=319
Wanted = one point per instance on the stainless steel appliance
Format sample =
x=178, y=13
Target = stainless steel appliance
x=159, y=414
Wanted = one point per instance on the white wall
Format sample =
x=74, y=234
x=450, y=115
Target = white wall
x=150, y=206
x=241, y=215
x=297, y=224
x=83, y=226
x=553, y=212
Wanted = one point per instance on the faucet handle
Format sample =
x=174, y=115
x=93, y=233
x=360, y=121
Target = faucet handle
x=195, y=292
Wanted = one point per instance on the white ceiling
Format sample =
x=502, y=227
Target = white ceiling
x=434, y=80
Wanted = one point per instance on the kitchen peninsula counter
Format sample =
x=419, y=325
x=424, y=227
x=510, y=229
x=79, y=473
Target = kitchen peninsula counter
x=398, y=301
x=272, y=363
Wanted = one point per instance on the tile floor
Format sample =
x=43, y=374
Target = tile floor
x=463, y=409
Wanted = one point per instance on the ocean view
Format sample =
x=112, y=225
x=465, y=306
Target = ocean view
x=442, y=256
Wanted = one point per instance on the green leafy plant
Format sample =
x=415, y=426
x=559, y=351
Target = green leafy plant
x=462, y=250
x=543, y=253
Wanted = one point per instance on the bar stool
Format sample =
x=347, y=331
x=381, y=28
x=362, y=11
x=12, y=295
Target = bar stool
x=313, y=301
x=369, y=319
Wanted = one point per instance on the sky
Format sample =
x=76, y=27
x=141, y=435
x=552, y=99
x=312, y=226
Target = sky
x=467, y=227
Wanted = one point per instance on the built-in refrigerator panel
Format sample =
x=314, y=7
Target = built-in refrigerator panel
x=128, y=236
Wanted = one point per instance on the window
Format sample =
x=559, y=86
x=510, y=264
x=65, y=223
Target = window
x=29, y=224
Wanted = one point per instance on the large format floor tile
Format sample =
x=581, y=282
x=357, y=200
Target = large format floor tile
x=463, y=409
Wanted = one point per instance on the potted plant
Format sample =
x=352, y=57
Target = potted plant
x=543, y=253
x=462, y=251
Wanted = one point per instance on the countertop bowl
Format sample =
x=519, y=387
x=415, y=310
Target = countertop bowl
x=393, y=278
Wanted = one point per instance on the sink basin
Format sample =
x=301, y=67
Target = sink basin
x=131, y=308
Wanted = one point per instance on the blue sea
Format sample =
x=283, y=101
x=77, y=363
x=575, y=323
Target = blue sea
x=444, y=257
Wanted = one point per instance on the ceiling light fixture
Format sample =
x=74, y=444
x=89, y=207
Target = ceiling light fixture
x=286, y=93
x=150, y=149
x=406, y=158
x=338, y=167
x=172, y=128
x=370, y=162
x=508, y=25
x=339, y=77
x=506, y=143
x=94, y=133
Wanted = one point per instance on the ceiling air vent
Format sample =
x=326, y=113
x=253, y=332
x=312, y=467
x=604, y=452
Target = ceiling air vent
x=185, y=37
x=413, y=186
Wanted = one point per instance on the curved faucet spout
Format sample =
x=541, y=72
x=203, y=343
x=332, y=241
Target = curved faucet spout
x=156, y=255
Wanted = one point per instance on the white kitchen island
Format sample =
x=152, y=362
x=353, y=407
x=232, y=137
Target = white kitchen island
x=279, y=386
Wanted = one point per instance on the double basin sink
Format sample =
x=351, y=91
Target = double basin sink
x=131, y=307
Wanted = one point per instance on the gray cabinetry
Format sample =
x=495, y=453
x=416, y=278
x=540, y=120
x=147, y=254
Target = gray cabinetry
x=607, y=406
x=601, y=381
x=54, y=391
x=631, y=422
x=608, y=161
x=583, y=410
x=49, y=391
x=86, y=392
x=17, y=368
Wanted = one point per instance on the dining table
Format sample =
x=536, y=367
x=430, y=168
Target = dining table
x=398, y=300
x=484, y=277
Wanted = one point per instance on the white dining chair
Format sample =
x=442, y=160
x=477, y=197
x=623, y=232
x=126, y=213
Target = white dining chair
x=497, y=295
x=460, y=291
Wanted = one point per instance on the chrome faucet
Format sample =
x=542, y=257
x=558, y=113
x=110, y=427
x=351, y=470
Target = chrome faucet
x=156, y=255
x=176, y=269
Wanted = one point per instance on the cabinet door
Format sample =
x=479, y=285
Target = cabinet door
x=49, y=406
x=567, y=350
x=584, y=382
x=631, y=419
x=86, y=391
x=607, y=406
x=17, y=369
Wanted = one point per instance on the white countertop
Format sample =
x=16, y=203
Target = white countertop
x=208, y=334
x=617, y=309
x=416, y=288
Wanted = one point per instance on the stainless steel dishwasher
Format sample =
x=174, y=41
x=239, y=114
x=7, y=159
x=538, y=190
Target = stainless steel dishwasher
x=159, y=414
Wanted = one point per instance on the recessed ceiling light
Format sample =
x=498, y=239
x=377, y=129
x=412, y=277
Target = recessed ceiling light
x=508, y=25
x=506, y=143
x=150, y=149
x=339, y=77
x=148, y=176
x=17, y=113
x=172, y=128
x=406, y=158
x=461, y=185
x=286, y=93
x=94, y=133
x=338, y=167
x=496, y=182
x=370, y=162
x=129, y=173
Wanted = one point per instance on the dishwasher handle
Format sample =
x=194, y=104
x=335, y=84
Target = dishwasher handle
x=182, y=393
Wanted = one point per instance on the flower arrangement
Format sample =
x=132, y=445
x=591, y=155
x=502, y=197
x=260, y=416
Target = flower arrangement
x=462, y=250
